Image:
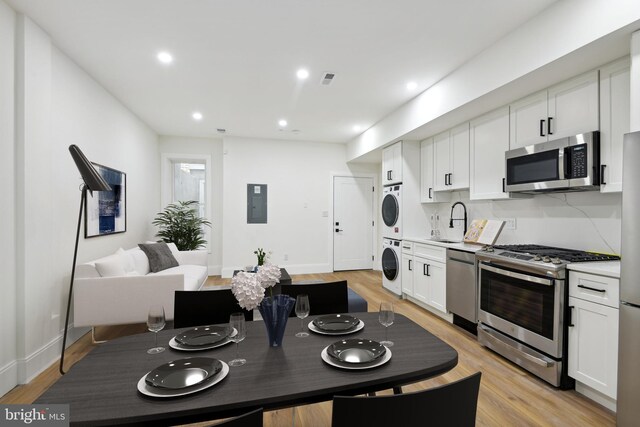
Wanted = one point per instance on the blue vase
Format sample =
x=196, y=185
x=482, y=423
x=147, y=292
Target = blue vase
x=275, y=313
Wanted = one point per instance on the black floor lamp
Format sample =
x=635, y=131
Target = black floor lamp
x=92, y=182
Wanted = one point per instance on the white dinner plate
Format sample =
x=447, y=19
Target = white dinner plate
x=177, y=346
x=151, y=391
x=314, y=328
x=378, y=362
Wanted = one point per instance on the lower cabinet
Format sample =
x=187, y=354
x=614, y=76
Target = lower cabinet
x=593, y=337
x=430, y=283
x=407, y=275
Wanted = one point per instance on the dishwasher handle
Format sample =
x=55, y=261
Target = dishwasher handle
x=464, y=261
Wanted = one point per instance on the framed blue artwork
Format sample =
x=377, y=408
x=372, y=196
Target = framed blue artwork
x=106, y=211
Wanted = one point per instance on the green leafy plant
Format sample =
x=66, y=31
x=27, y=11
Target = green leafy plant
x=261, y=254
x=179, y=223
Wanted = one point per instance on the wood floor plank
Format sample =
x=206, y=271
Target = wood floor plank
x=509, y=396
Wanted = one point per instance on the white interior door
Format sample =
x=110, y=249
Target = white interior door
x=352, y=223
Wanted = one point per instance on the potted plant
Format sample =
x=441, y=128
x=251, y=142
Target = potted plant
x=179, y=223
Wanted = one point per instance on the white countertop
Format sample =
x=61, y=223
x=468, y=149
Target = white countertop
x=467, y=247
x=601, y=268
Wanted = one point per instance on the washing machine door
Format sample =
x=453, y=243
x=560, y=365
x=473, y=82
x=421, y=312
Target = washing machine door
x=390, y=264
x=390, y=210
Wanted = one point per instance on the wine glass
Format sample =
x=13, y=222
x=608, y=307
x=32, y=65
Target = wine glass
x=302, y=311
x=385, y=317
x=155, y=323
x=236, y=321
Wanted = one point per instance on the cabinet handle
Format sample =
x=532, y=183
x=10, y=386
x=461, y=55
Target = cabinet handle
x=430, y=189
x=445, y=178
x=549, y=125
x=425, y=270
x=541, y=124
x=592, y=289
x=410, y=265
x=571, y=316
x=449, y=176
x=388, y=175
x=602, y=174
x=503, y=185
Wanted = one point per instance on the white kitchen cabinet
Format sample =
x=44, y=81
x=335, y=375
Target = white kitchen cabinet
x=407, y=268
x=593, y=345
x=593, y=331
x=392, y=164
x=429, y=283
x=566, y=109
x=427, y=175
x=614, y=122
x=451, y=154
x=489, y=139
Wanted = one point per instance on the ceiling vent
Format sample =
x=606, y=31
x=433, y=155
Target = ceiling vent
x=327, y=78
x=221, y=130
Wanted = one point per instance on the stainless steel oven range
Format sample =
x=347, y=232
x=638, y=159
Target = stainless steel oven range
x=522, y=306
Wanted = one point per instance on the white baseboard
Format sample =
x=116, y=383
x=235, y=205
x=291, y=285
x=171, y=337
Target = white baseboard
x=291, y=269
x=596, y=396
x=34, y=364
x=214, y=270
x=446, y=316
x=8, y=377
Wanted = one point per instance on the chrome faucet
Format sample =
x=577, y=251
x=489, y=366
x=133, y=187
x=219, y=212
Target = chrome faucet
x=451, y=218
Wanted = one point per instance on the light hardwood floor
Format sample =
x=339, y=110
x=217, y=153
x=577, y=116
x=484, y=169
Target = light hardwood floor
x=509, y=396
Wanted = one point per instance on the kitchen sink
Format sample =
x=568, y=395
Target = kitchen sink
x=445, y=241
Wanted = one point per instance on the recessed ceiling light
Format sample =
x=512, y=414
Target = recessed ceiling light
x=302, y=74
x=165, y=57
x=197, y=115
x=357, y=128
x=412, y=85
x=282, y=123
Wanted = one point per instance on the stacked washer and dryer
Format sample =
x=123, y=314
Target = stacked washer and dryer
x=401, y=210
x=392, y=238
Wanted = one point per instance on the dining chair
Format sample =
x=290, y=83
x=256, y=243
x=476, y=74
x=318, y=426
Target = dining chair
x=197, y=308
x=250, y=419
x=324, y=298
x=452, y=404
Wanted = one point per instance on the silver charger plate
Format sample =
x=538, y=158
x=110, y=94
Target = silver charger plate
x=151, y=391
x=177, y=346
x=333, y=362
x=313, y=328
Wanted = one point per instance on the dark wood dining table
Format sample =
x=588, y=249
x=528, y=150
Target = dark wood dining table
x=101, y=388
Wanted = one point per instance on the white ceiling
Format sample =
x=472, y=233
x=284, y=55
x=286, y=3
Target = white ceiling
x=235, y=60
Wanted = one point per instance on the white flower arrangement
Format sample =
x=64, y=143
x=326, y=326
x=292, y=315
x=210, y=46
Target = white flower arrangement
x=249, y=288
x=268, y=275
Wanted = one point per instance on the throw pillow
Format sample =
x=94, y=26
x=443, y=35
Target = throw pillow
x=110, y=268
x=127, y=260
x=160, y=256
x=140, y=261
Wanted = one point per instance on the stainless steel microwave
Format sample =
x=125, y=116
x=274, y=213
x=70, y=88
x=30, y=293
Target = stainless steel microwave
x=566, y=164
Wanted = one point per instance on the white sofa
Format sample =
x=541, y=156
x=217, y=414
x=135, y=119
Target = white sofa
x=118, y=289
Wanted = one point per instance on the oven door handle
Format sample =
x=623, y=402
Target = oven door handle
x=520, y=276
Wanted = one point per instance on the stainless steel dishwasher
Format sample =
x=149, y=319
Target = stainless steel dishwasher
x=462, y=289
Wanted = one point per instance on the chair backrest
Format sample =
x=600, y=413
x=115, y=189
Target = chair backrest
x=324, y=298
x=452, y=404
x=196, y=308
x=250, y=419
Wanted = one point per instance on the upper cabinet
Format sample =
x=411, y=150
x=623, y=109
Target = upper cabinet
x=427, y=174
x=451, y=154
x=392, y=164
x=614, y=122
x=567, y=109
x=489, y=135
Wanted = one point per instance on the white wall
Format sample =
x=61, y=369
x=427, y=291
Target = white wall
x=8, y=350
x=587, y=220
x=634, y=122
x=298, y=175
x=58, y=104
x=213, y=148
x=561, y=29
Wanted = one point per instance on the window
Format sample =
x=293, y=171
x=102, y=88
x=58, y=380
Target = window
x=188, y=177
x=189, y=183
